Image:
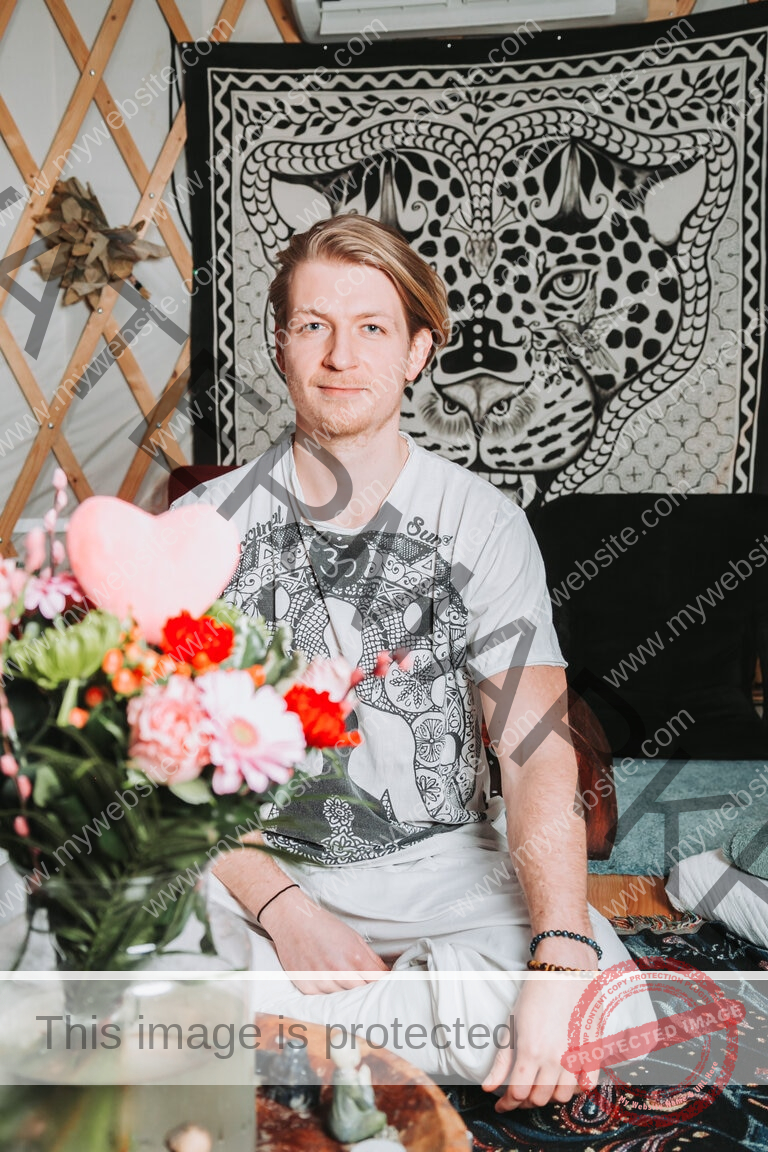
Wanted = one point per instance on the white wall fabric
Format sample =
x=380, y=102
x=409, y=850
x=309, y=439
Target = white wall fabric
x=37, y=77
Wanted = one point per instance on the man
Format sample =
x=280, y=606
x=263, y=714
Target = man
x=375, y=544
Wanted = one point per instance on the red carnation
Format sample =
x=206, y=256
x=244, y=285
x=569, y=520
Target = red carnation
x=204, y=641
x=321, y=718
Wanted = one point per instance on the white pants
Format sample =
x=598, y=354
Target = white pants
x=452, y=905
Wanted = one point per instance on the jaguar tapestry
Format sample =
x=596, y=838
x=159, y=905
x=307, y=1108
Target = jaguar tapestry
x=594, y=200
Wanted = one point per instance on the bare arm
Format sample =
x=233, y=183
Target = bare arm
x=251, y=877
x=547, y=843
x=547, y=840
x=306, y=936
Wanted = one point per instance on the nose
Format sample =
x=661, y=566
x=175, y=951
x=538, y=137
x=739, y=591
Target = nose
x=340, y=353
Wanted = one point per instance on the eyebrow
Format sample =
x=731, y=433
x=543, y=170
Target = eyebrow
x=360, y=315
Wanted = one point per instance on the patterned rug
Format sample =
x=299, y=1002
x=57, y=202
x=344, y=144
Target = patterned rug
x=736, y=1118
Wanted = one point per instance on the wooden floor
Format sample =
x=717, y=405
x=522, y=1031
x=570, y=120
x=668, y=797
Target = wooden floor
x=618, y=895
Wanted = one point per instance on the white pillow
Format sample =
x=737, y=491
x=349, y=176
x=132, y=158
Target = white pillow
x=713, y=888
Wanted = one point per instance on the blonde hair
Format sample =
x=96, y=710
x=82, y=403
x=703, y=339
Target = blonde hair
x=354, y=239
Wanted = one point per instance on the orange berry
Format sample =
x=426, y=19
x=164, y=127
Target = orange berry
x=183, y=669
x=94, y=696
x=112, y=662
x=78, y=717
x=125, y=682
x=257, y=674
x=201, y=661
x=134, y=653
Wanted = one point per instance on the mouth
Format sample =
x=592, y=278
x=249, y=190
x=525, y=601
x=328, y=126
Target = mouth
x=339, y=391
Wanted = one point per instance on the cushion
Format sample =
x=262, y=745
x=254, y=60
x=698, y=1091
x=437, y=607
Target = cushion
x=188, y=476
x=661, y=606
x=711, y=887
x=747, y=847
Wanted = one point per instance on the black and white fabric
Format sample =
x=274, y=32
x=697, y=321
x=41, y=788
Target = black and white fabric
x=595, y=203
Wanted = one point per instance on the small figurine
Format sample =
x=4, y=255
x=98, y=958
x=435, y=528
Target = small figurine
x=354, y=1115
x=290, y=1078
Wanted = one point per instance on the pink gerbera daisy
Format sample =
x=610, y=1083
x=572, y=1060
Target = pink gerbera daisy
x=253, y=736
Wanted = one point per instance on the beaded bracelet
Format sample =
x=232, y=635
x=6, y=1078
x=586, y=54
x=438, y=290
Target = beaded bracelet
x=540, y=966
x=571, y=936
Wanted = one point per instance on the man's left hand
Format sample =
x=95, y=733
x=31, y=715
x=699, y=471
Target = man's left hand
x=532, y=1070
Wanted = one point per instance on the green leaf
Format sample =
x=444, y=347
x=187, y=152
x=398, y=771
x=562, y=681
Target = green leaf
x=252, y=639
x=282, y=675
x=47, y=786
x=112, y=846
x=135, y=777
x=192, y=791
x=227, y=613
x=97, y=1122
x=100, y=717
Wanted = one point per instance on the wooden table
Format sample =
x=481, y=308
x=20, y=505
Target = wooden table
x=619, y=895
x=412, y=1102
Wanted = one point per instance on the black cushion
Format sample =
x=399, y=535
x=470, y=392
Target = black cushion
x=661, y=612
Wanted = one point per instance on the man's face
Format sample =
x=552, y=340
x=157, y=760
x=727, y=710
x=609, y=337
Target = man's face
x=347, y=356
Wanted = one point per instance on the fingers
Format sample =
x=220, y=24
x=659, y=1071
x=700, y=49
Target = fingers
x=533, y=1086
x=586, y=1081
x=566, y=1089
x=519, y=1087
x=551, y=1086
x=342, y=984
x=318, y=987
x=499, y=1070
x=372, y=962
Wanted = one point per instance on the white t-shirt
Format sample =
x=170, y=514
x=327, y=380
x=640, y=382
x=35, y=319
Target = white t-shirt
x=444, y=569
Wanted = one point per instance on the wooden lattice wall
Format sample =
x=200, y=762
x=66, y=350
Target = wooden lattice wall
x=151, y=184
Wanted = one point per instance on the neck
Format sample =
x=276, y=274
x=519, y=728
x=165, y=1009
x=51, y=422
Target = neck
x=372, y=461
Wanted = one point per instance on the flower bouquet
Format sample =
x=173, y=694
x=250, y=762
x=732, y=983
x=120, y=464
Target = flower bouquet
x=126, y=766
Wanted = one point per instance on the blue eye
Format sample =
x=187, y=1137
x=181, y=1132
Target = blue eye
x=376, y=326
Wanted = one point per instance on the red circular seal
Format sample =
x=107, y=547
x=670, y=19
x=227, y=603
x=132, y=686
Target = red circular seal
x=707, y=1010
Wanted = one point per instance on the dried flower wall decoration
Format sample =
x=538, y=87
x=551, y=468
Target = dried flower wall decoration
x=83, y=250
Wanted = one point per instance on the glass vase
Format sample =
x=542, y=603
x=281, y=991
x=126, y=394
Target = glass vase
x=116, y=1118
x=162, y=974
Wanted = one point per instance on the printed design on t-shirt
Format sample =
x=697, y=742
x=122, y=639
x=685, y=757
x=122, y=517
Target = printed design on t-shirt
x=405, y=600
x=343, y=845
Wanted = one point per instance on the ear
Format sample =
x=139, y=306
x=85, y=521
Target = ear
x=421, y=345
x=279, y=357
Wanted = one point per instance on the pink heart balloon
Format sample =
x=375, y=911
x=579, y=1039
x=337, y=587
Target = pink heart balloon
x=153, y=567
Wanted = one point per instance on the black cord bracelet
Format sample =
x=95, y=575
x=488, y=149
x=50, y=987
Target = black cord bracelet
x=571, y=936
x=258, y=915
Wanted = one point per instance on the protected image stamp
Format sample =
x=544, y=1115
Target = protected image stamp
x=705, y=1012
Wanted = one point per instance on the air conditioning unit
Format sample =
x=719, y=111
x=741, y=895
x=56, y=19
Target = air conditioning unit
x=320, y=20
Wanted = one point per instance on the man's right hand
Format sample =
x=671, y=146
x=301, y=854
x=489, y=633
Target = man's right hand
x=307, y=938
